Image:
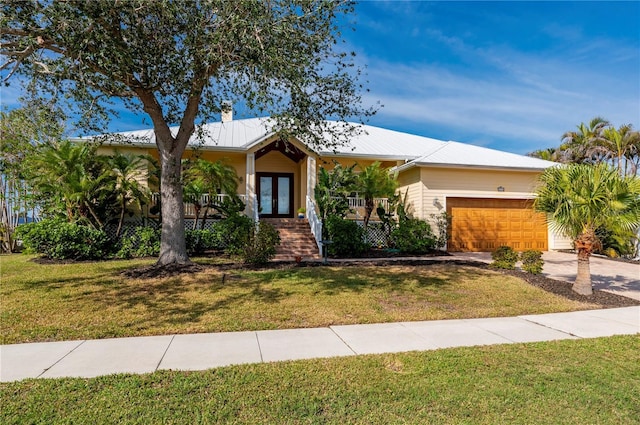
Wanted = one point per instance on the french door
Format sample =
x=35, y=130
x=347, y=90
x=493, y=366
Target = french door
x=275, y=195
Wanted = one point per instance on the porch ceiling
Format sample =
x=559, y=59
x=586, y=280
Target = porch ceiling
x=288, y=149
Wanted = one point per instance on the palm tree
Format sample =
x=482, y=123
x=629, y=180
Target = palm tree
x=579, y=199
x=332, y=189
x=578, y=146
x=374, y=182
x=620, y=146
x=549, y=154
x=194, y=190
x=127, y=171
x=70, y=174
x=214, y=178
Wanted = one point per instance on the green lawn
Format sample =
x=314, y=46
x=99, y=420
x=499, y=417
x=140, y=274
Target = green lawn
x=593, y=381
x=47, y=302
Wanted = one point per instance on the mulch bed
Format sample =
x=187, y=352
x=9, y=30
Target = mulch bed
x=563, y=289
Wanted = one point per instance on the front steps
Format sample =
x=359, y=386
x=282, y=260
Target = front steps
x=296, y=239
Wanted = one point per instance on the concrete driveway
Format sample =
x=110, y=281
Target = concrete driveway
x=608, y=275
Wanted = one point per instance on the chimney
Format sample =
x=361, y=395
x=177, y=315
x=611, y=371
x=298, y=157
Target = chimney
x=226, y=111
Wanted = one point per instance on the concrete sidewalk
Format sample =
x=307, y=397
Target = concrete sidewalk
x=90, y=358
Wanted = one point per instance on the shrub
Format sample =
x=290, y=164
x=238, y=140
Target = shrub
x=231, y=233
x=442, y=223
x=142, y=242
x=346, y=236
x=260, y=246
x=504, y=258
x=532, y=261
x=60, y=240
x=413, y=236
x=199, y=241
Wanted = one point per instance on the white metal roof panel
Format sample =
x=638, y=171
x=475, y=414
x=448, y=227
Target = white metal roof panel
x=380, y=142
x=372, y=142
x=455, y=153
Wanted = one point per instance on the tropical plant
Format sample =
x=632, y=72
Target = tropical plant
x=178, y=61
x=69, y=178
x=620, y=148
x=374, y=182
x=194, y=191
x=578, y=146
x=548, y=154
x=127, y=171
x=206, y=177
x=332, y=189
x=596, y=142
x=579, y=199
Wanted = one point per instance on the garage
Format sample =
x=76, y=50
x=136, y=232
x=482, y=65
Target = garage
x=480, y=224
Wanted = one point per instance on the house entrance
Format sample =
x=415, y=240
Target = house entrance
x=275, y=195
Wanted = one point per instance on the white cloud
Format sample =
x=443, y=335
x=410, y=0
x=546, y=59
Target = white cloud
x=523, y=101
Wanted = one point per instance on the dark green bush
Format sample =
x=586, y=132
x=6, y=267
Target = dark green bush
x=199, y=241
x=413, y=236
x=60, y=240
x=260, y=246
x=346, y=236
x=142, y=242
x=532, y=261
x=231, y=233
x=504, y=257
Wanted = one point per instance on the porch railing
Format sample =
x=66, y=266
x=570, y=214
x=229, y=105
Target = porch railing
x=314, y=222
x=206, y=199
x=256, y=213
x=357, y=206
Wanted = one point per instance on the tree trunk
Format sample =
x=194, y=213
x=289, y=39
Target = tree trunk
x=582, y=285
x=173, y=249
x=368, y=210
x=196, y=210
x=585, y=245
x=120, y=221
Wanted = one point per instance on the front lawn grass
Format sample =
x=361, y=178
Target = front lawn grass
x=592, y=381
x=47, y=302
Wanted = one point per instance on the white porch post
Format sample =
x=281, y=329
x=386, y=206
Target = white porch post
x=250, y=190
x=312, y=176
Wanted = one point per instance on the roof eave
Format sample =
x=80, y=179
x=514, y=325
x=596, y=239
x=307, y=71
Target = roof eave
x=480, y=167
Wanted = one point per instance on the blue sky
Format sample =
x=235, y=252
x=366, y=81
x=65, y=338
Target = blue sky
x=507, y=75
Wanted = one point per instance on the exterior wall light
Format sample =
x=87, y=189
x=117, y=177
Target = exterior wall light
x=500, y=188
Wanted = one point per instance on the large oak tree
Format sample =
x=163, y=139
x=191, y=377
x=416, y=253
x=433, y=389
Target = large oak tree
x=179, y=61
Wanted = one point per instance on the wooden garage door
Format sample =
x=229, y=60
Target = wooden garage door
x=485, y=224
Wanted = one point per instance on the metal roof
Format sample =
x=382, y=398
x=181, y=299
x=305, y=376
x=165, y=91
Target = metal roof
x=373, y=142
